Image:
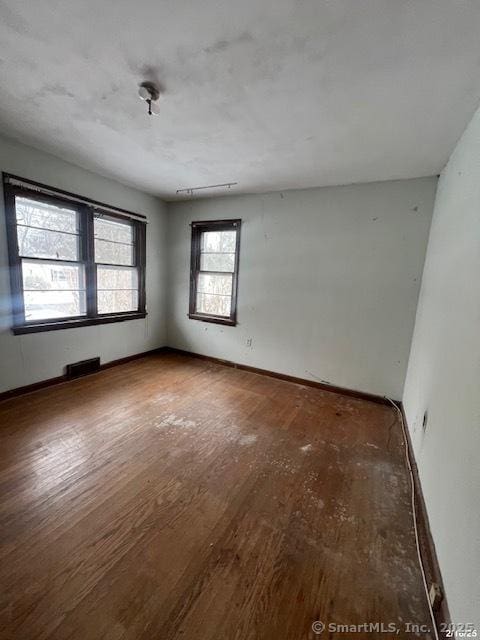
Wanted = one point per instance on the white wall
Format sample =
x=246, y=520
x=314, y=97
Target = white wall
x=444, y=378
x=38, y=356
x=328, y=282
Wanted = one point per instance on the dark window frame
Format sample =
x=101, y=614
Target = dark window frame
x=199, y=227
x=86, y=209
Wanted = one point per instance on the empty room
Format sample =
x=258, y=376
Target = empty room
x=239, y=320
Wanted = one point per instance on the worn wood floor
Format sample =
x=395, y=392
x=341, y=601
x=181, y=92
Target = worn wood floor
x=173, y=498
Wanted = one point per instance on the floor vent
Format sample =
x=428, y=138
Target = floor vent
x=83, y=368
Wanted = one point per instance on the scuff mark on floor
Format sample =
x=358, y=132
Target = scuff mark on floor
x=173, y=421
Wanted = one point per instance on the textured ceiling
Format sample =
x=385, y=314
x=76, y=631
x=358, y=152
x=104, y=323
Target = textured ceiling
x=272, y=94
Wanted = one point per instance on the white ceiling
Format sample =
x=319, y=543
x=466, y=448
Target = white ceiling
x=272, y=94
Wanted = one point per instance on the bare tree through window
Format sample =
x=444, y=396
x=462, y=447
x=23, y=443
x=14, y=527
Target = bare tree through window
x=117, y=277
x=47, y=233
x=72, y=261
x=213, y=284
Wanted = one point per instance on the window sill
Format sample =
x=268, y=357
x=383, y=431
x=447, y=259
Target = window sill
x=215, y=319
x=77, y=322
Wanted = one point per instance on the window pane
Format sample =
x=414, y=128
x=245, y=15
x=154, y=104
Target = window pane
x=215, y=283
x=40, y=214
x=53, y=290
x=113, y=241
x=43, y=276
x=42, y=305
x=217, y=262
x=117, y=301
x=217, y=251
x=117, y=289
x=116, y=278
x=213, y=304
x=41, y=243
x=112, y=253
x=108, y=229
x=218, y=241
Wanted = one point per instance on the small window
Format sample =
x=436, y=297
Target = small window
x=71, y=262
x=214, y=270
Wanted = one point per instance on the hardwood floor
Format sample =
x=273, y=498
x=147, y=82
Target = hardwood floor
x=175, y=498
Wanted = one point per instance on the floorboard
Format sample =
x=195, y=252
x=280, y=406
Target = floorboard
x=175, y=498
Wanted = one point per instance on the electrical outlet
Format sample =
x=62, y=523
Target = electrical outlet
x=435, y=595
x=249, y=342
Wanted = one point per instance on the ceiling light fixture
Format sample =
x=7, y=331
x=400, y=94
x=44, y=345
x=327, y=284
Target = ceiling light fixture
x=150, y=93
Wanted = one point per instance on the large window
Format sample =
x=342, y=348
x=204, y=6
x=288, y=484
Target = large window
x=214, y=269
x=72, y=261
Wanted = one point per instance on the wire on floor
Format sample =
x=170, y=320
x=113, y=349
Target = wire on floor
x=414, y=513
